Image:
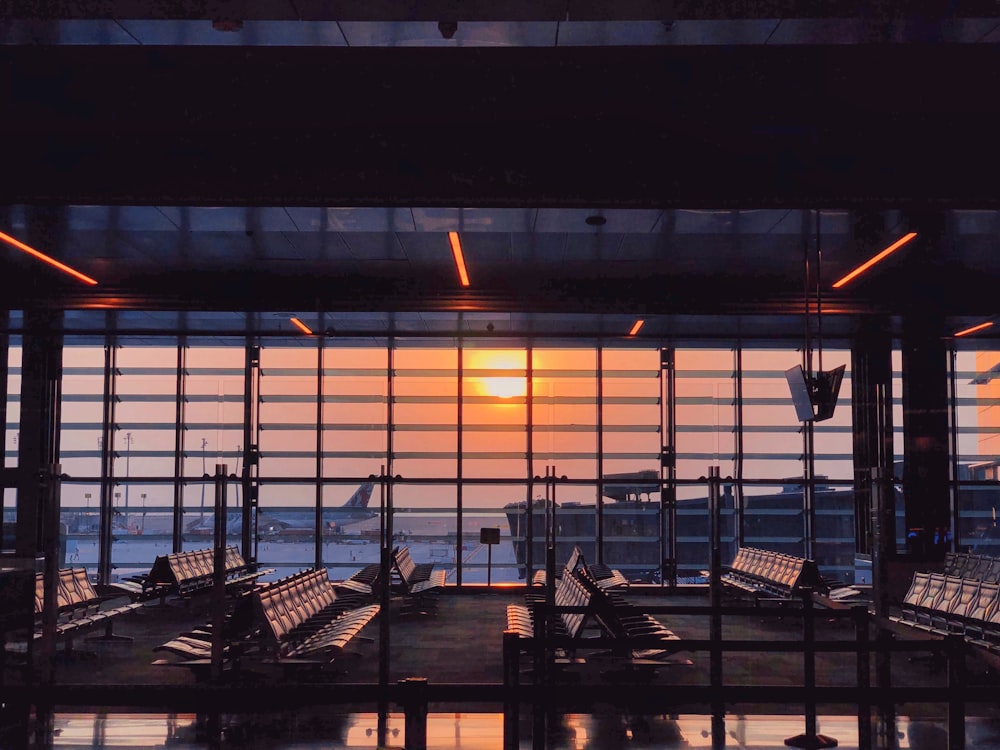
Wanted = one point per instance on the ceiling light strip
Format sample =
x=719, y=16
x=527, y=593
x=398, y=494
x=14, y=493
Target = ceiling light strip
x=46, y=259
x=301, y=326
x=456, y=250
x=635, y=327
x=979, y=327
x=872, y=261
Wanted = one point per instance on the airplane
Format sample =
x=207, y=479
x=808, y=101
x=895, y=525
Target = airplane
x=294, y=523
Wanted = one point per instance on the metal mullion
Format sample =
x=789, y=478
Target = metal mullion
x=668, y=482
x=600, y=454
x=107, y=454
x=953, y=440
x=460, y=395
x=178, y=517
x=738, y=494
x=318, y=546
x=529, y=526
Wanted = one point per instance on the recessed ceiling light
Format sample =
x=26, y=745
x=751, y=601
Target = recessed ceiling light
x=596, y=220
x=635, y=327
x=301, y=326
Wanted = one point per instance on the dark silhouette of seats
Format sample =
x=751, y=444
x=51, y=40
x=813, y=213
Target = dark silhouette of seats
x=79, y=606
x=763, y=573
x=415, y=579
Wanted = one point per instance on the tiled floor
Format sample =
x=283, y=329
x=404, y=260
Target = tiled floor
x=454, y=731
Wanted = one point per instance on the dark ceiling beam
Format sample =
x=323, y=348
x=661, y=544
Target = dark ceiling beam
x=870, y=126
x=493, y=10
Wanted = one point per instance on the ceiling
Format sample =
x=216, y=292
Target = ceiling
x=601, y=163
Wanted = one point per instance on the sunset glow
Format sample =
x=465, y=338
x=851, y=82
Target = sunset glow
x=492, y=367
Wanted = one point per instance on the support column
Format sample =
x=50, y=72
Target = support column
x=38, y=442
x=926, y=486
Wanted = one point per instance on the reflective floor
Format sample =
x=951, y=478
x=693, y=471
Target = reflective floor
x=481, y=731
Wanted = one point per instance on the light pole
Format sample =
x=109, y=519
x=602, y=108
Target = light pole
x=142, y=527
x=128, y=453
x=204, y=471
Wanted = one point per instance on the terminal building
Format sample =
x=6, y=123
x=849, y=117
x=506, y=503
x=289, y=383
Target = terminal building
x=332, y=332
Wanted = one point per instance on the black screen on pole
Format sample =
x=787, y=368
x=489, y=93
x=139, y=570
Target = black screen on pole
x=801, y=397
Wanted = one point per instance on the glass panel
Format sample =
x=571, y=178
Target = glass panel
x=977, y=418
x=833, y=439
x=773, y=518
x=288, y=404
x=493, y=506
x=494, y=414
x=424, y=520
x=146, y=413
x=80, y=516
x=82, y=410
x=631, y=406
x=213, y=409
x=772, y=435
x=286, y=526
x=693, y=550
x=354, y=411
x=564, y=412
x=140, y=531
x=425, y=413
x=7, y=540
x=833, y=548
x=705, y=412
x=13, y=402
x=350, y=527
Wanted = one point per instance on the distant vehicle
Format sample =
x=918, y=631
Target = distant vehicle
x=278, y=525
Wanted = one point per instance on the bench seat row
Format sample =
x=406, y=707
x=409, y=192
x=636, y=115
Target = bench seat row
x=78, y=603
x=968, y=565
x=762, y=572
x=605, y=576
x=187, y=573
x=940, y=604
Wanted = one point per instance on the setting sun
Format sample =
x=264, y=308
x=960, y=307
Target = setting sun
x=501, y=374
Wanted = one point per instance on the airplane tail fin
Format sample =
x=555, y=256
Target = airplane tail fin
x=361, y=497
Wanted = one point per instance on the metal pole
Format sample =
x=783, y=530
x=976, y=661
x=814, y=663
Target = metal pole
x=955, y=651
x=511, y=681
x=414, y=712
x=219, y=573
x=860, y=614
x=715, y=600
x=810, y=739
x=49, y=517
x=385, y=554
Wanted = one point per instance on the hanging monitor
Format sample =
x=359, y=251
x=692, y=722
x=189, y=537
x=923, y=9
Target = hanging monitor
x=814, y=398
x=825, y=390
x=801, y=396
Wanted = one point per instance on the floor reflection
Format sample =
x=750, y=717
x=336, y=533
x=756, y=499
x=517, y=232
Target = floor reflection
x=475, y=731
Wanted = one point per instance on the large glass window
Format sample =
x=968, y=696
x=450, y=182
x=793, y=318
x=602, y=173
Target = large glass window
x=977, y=426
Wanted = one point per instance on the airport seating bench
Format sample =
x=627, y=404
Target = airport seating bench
x=605, y=576
x=968, y=565
x=302, y=617
x=188, y=573
x=415, y=579
x=362, y=581
x=79, y=606
x=624, y=623
x=763, y=573
x=937, y=604
x=523, y=618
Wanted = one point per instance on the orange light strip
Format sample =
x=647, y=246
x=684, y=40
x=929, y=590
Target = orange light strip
x=872, y=261
x=46, y=259
x=635, y=327
x=456, y=250
x=979, y=327
x=301, y=326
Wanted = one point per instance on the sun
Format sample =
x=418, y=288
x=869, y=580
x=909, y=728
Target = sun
x=504, y=387
x=494, y=379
